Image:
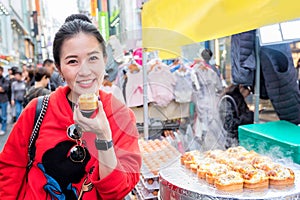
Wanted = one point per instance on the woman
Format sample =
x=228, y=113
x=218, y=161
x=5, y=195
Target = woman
x=108, y=165
x=18, y=90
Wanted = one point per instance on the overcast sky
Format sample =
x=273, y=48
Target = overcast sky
x=60, y=9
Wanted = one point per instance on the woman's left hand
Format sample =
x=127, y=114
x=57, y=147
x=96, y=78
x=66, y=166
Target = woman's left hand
x=97, y=124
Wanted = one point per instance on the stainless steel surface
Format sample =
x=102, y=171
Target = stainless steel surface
x=177, y=182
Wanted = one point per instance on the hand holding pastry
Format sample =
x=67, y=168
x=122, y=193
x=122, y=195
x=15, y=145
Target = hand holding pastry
x=97, y=124
x=88, y=102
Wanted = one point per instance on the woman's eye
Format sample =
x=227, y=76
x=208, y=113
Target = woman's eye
x=93, y=58
x=72, y=61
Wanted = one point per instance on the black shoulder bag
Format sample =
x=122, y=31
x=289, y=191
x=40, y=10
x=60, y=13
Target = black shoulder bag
x=41, y=109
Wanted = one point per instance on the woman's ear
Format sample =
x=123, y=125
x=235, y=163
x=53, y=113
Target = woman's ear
x=57, y=66
x=62, y=77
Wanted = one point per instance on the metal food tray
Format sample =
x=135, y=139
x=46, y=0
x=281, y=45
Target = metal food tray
x=147, y=174
x=177, y=182
x=154, y=186
x=143, y=193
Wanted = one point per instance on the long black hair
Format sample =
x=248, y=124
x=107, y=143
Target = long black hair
x=75, y=24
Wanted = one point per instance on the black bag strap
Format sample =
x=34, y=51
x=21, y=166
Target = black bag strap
x=41, y=108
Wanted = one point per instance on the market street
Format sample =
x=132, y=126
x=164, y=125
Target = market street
x=263, y=118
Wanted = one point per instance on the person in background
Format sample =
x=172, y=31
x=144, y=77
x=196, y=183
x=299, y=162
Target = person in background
x=234, y=111
x=109, y=87
x=55, y=79
x=298, y=72
x=9, y=74
x=18, y=90
x=11, y=78
x=24, y=71
x=28, y=77
x=4, y=86
x=207, y=54
x=41, y=77
x=11, y=116
x=76, y=157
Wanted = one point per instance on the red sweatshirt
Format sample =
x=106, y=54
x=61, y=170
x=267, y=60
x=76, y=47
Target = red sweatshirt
x=53, y=175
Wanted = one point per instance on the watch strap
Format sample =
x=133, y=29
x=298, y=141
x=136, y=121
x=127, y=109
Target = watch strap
x=103, y=145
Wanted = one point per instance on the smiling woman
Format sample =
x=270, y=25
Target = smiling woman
x=76, y=157
x=82, y=68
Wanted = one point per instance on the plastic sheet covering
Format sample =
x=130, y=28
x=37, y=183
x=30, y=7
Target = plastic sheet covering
x=167, y=24
x=177, y=182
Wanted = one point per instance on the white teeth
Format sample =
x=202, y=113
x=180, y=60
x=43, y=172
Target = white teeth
x=86, y=82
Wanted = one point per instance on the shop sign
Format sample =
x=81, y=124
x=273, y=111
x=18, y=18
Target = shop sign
x=114, y=10
x=5, y=57
x=94, y=8
x=103, y=24
x=115, y=21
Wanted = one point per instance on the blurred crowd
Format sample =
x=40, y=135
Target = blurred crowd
x=21, y=84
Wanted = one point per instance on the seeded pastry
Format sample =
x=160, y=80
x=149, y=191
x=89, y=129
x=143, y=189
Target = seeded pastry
x=88, y=102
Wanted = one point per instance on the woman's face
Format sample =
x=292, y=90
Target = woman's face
x=82, y=64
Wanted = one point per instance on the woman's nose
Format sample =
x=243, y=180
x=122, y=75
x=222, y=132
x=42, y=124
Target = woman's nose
x=84, y=68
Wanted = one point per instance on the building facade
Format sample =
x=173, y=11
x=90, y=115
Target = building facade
x=22, y=33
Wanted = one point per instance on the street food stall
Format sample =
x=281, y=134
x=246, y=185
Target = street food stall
x=169, y=25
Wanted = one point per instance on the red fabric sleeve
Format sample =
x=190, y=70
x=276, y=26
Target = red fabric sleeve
x=125, y=137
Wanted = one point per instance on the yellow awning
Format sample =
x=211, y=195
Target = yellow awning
x=169, y=24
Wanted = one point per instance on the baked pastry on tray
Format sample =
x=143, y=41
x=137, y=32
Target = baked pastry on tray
x=255, y=179
x=214, y=171
x=281, y=176
x=236, y=168
x=230, y=181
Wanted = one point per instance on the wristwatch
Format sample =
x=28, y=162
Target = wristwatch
x=103, y=145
